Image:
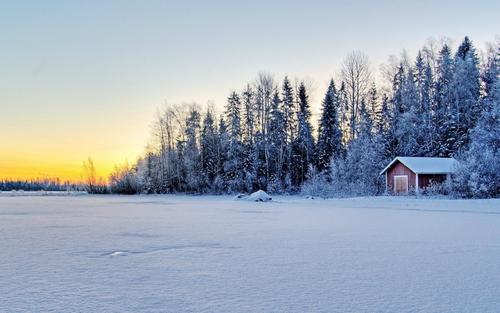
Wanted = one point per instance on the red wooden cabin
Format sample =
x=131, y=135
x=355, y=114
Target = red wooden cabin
x=416, y=173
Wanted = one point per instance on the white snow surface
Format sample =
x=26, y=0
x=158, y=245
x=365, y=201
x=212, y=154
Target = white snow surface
x=214, y=254
x=22, y=193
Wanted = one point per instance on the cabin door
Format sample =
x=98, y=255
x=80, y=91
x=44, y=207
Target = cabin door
x=401, y=184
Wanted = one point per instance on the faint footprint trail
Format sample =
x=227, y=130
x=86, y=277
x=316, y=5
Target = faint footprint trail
x=119, y=253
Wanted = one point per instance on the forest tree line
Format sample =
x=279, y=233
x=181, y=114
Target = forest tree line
x=444, y=103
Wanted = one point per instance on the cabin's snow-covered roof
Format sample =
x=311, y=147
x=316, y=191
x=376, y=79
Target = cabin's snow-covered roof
x=422, y=165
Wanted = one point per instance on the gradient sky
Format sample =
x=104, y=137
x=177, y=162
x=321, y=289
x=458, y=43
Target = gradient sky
x=85, y=78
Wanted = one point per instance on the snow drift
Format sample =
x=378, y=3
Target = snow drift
x=258, y=196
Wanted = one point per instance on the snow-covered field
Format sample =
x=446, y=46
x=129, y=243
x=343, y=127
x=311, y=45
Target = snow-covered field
x=215, y=254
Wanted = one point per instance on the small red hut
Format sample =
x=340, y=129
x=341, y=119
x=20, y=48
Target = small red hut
x=416, y=173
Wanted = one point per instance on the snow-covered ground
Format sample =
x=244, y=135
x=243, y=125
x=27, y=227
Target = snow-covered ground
x=22, y=193
x=215, y=254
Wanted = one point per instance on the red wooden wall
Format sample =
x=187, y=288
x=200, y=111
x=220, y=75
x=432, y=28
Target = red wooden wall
x=424, y=180
x=399, y=169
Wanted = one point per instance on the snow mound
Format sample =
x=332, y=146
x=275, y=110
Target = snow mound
x=118, y=253
x=258, y=196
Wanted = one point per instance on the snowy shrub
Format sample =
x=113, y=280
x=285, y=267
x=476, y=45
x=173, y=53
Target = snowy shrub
x=478, y=175
x=124, y=180
x=438, y=189
x=319, y=185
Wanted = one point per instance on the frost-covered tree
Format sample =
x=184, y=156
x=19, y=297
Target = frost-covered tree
x=303, y=145
x=357, y=172
x=441, y=119
x=329, y=130
x=124, y=180
x=233, y=165
x=356, y=76
x=208, y=146
x=147, y=172
x=289, y=123
x=264, y=92
x=248, y=102
x=479, y=172
x=464, y=108
x=191, y=154
x=424, y=83
x=410, y=126
x=277, y=145
x=250, y=159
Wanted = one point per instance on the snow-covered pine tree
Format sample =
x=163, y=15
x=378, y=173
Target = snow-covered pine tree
x=424, y=84
x=250, y=157
x=191, y=156
x=478, y=174
x=304, y=143
x=491, y=70
x=233, y=165
x=465, y=105
x=146, y=173
x=247, y=98
x=222, y=148
x=208, y=146
x=277, y=146
x=409, y=126
x=357, y=172
x=442, y=127
x=374, y=106
x=329, y=131
x=289, y=123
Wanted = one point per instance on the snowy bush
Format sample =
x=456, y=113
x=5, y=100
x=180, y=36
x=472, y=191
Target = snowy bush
x=319, y=185
x=438, y=189
x=124, y=180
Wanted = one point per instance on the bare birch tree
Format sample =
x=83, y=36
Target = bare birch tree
x=356, y=75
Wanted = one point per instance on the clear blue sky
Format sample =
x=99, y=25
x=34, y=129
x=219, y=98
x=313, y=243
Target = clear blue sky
x=72, y=69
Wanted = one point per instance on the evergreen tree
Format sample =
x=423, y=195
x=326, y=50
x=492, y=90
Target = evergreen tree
x=357, y=172
x=147, y=172
x=289, y=123
x=208, y=143
x=373, y=106
x=233, y=165
x=329, y=132
x=248, y=115
x=250, y=158
x=424, y=84
x=277, y=145
x=442, y=118
x=478, y=175
x=191, y=156
x=304, y=144
x=222, y=148
x=465, y=108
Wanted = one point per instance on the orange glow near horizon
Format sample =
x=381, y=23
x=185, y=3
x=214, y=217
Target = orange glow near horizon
x=67, y=170
x=49, y=152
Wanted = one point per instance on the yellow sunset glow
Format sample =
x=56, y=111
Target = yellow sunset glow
x=61, y=154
